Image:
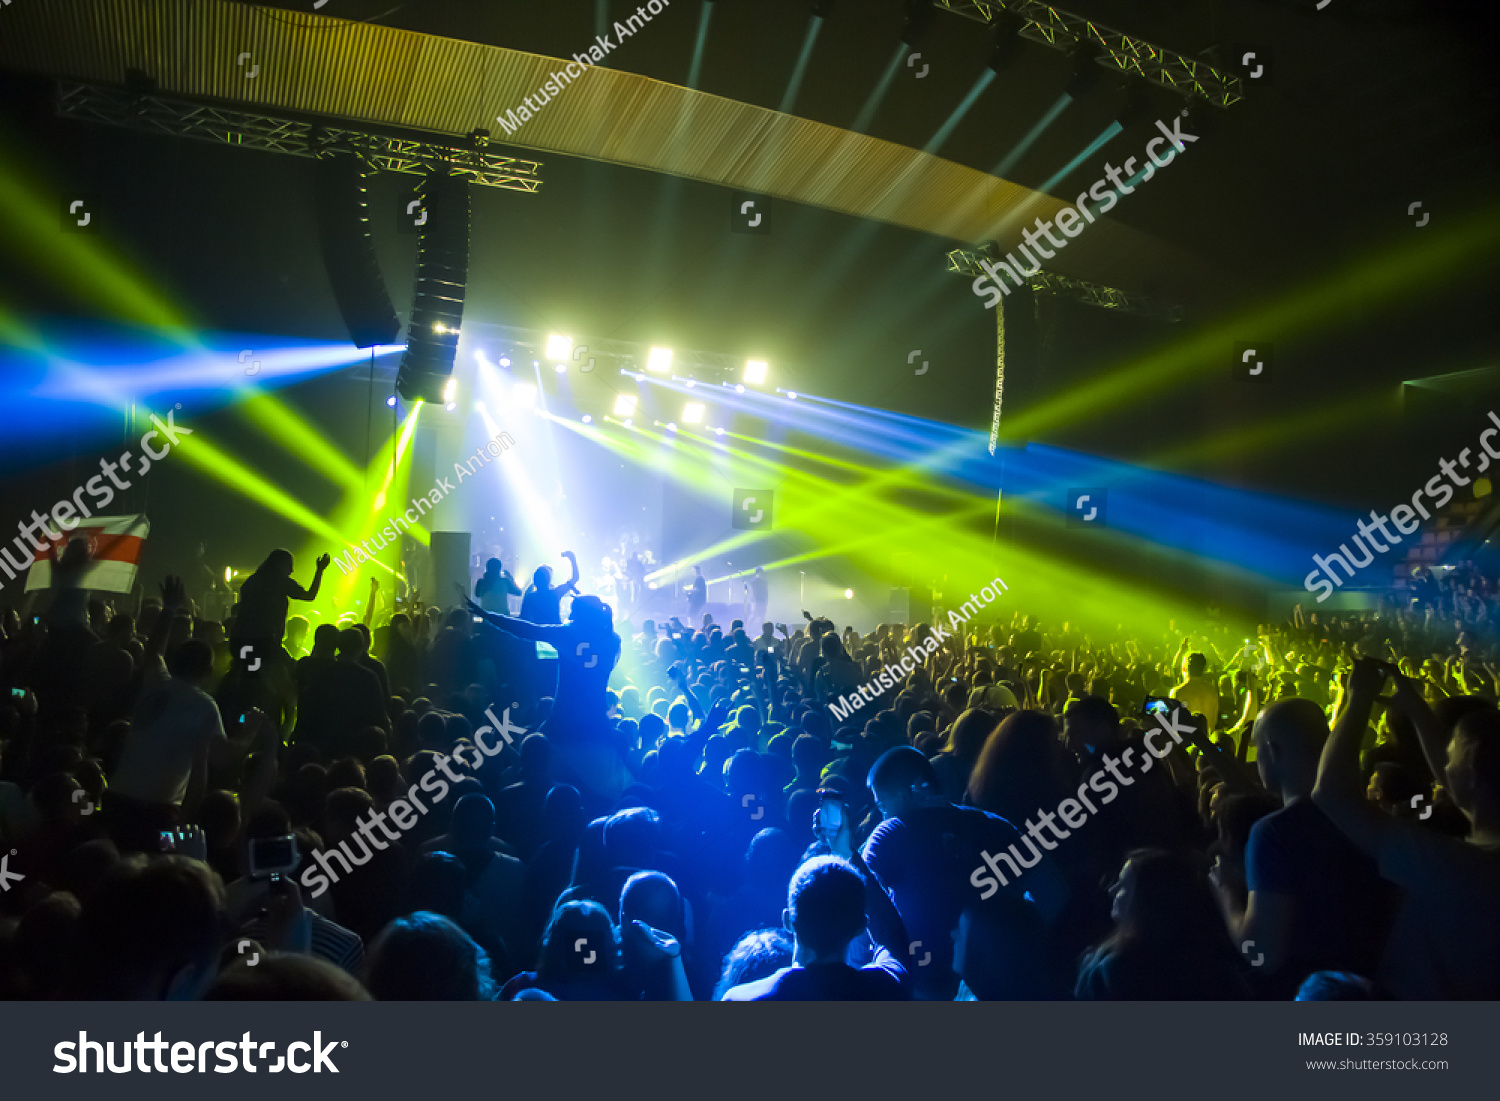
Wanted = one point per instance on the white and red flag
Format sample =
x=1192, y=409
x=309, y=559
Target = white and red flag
x=115, y=544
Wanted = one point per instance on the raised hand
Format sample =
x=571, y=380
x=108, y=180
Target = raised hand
x=324, y=561
x=173, y=592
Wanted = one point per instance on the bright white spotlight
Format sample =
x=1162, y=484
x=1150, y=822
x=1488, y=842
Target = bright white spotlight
x=692, y=413
x=450, y=406
x=559, y=346
x=792, y=395
x=629, y=423
x=671, y=426
x=505, y=361
x=450, y=391
x=718, y=431
x=848, y=594
x=625, y=404
x=691, y=383
x=439, y=327
x=523, y=394
x=739, y=389
x=479, y=407
x=755, y=371
x=562, y=368
x=391, y=401
x=659, y=362
x=587, y=419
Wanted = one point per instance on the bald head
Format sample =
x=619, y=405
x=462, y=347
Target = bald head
x=1289, y=737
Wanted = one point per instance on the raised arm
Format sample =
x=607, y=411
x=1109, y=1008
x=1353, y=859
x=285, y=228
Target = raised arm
x=1339, y=792
x=572, y=582
x=370, y=604
x=172, y=599
x=521, y=628
x=297, y=592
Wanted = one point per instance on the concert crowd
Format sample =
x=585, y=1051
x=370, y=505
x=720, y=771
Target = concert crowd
x=459, y=803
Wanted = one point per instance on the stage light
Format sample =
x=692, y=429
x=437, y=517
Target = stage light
x=505, y=361
x=562, y=368
x=391, y=401
x=439, y=327
x=228, y=574
x=625, y=404
x=691, y=383
x=451, y=406
x=671, y=426
x=791, y=395
x=479, y=407
x=523, y=394
x=755, y=371
x=692, y=413
x=587, y=419
x=450, y=391
x=659, y=362
x=536, y=363
x=559, y=346
x=739, y=388
x=629, y=423
x=848, y=594
x=718, y=431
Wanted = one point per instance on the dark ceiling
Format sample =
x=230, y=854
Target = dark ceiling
x=1368, y=105
x=1373, y=105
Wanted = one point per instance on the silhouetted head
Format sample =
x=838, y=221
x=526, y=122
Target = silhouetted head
x=278, y=563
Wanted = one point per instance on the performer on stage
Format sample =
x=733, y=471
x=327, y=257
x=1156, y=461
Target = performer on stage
x=697, y=594
x=760, y=596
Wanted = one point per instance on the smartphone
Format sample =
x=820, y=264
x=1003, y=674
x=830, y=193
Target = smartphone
x=830, y=816
x=1157, y=705
x=546, y=651
x=17, y=693
x=273, y=856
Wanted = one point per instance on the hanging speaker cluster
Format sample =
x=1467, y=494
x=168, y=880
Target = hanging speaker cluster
x=437, y=307
x=349, y=250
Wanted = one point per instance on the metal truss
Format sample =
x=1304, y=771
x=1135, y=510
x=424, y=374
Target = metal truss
x=622, y=354
x=1062, y=30
x=966, y=262
x=300, y=138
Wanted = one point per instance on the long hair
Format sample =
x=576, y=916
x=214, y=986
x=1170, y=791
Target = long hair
x=278, y=562
x=1172, y=906
x=1018, y=769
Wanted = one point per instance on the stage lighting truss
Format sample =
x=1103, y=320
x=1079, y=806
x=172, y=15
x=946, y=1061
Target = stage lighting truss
x=1120, y=52
x=413, y=155
x=966, y=262
x=600, y=357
